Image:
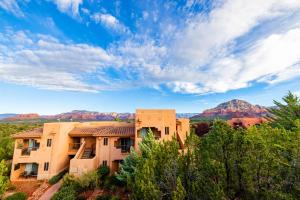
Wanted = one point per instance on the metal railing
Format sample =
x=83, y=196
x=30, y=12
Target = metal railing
x=26, y=174
x=124, y=148
x=26, y=151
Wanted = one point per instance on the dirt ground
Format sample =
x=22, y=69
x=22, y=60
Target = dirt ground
x=27, y=186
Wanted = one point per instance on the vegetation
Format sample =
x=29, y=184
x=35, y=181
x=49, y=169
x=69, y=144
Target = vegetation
x=4, y=180
x=17, y=196
x=285, y=114
x=57, y=177
x=256, y=163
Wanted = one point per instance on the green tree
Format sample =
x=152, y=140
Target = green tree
x=4, y=181
x=179, y=193
x=285, y=114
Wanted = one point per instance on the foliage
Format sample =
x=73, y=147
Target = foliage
x=65, y=193
x=4, y=181
x=107, y=197
x=17, y=196
x=256, y=163
x=88, y=180
x=285, y=114
x=103, y=172
x=57, y=177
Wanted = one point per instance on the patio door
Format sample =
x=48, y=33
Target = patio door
x=28, y=168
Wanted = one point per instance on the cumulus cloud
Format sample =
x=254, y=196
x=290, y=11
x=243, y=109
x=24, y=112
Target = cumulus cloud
x=12, y=7
x=236, y=44
x=204, y=55
x=68, y=5
x=109, y=21
x=45, y=62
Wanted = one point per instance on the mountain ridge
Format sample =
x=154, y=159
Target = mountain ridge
x=234, y=108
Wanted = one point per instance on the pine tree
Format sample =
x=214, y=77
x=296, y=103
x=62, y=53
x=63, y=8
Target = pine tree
x=3, y=177
x=284, y=115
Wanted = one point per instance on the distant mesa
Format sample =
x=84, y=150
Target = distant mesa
x=23, y=117
x=234, y=109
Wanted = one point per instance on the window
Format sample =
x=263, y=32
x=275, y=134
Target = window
x=46, y=166
x=124, y=144
x=49, y=142
x=17, y=166
x=167, y=130
x=104, y=163
x=105, y=141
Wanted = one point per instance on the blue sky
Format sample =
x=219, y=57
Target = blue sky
x=100, y=55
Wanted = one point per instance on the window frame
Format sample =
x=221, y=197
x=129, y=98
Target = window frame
x=46, y=166
x=104, y=163
x=105, y=141
x=167, y=130
x=49, y=142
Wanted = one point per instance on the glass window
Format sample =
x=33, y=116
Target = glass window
x=167, y=130
x=105, y=141
x=104, y=163
x=46, y=166
x=49, y=142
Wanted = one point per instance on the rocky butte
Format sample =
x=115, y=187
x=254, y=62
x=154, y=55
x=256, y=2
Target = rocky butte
x=234, y=109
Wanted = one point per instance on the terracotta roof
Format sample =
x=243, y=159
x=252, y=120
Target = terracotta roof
x=35, y=133
x=103, y=131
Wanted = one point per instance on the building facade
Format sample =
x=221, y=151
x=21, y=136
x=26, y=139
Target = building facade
x=81, y=147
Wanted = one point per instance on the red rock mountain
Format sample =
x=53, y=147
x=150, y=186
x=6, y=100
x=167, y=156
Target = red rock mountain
x=232, y=109
x=23, y=117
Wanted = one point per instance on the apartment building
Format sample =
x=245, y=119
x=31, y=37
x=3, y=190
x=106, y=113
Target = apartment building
x=81, y=147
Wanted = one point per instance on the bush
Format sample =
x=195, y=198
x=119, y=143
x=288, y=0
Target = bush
x=71, y=180
x=17, y=196
x=104, y=197
x=65, y=193
x=88, y=180
x=103, y=172
x=57, y=177
x=107, y=197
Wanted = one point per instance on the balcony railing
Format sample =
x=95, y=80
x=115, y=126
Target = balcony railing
x=26, y=151
x=26, y=174
x=124, y=148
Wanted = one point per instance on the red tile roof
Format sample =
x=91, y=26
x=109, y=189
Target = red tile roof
x=35, y=133
x=103, y=131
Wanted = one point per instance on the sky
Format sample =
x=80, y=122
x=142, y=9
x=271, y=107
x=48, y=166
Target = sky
x=116, y=56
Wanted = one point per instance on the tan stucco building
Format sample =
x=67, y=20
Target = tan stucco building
x=81, y=147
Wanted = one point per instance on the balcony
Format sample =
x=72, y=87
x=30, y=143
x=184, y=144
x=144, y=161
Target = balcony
x=124, y=148
x=27, y=150
x=73, y=148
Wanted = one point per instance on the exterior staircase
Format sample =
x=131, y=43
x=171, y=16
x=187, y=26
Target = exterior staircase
x=87, y=153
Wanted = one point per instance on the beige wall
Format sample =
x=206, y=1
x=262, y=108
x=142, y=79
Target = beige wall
x=158, y=119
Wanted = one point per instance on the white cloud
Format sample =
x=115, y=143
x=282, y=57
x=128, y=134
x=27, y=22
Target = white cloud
x=45, y=62
x=235, y=45
x=110, y=22
x=12, y=7
x=68, y=5
x=203, y=56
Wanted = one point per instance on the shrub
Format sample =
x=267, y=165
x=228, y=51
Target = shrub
x=88, y=180
x=65, y=193
x=104, y=197
x=17, y=196
x=103, y=172
x=57, y=177
x=107, y=197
